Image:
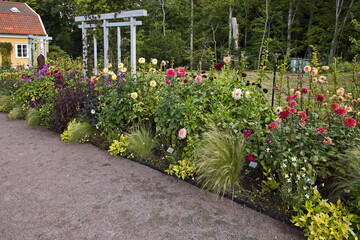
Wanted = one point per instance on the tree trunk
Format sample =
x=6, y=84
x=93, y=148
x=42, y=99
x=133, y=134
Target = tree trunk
x=230, y=25
x=311, y=19
x=289, y=23
x=265, y=31
x=246, y=28
x=338, y=27
x=191, y=34
x=214, y=29
x=164, y=15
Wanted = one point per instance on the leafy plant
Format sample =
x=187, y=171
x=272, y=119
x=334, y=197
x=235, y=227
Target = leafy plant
x=184, y=169
x=220, y=159
x=119, y=147
x=6, y=103
x=141, y=143
x=321, y=219
x=78, y=132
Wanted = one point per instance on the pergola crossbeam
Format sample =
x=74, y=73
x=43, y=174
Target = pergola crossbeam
x=107, y=16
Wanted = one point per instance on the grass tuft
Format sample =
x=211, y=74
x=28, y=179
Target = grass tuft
x=6, y=103
x=141, y=143
x=17, y=113
x=80, y=131
x=219, y=161
x=33, y=117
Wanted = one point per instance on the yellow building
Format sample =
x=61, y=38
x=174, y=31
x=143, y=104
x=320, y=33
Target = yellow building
x=21, y=26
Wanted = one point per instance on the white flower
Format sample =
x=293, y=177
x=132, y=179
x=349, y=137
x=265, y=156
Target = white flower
x=113, y=77
x=293, y=159
x=307, y=196
x=298, y=177
x=304, y=175
x=286, y=175
x=294, y=164
x=305, y=188
x=142, y=60
x=92, y=111
x=120, y=65
x=134, y=95
x=303, y=168
x=247, y=94
x=284, y=166
x=236, y=94
x=123, y=70
x=267, y=150
x=278, y=110
x=153, y=83
x=154, y=61
x=305, y=161
x=289, y=180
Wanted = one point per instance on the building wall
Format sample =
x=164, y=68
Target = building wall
x=18, y=40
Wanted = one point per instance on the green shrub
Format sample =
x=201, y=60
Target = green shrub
x=184, y=169
x=141, y=143
x=220, y=159
x=119, y=147
x=6, y=103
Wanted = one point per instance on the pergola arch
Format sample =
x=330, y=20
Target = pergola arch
x=105, y=25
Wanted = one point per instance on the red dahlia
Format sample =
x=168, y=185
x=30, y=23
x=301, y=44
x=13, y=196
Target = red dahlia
x=334, y=106
x=272, y=126
x=303, y=115
x=340, y=112
x=321, y=130
x=350, y=122
x=319, y=97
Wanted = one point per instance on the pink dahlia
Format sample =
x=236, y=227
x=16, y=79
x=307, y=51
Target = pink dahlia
x=182, y=133
x=272, y=126
x=319, y=97
x=292, y=103
x=335, y=106
x=304, y=90
x=340, y=112
x=198, y=79
x=321, y=130
x=327, y=141
x=350, y=122
x=302, y=121
x=289, y=98
x=303, y=115
x=283, y=115
x=170, y=72
x=181, y=72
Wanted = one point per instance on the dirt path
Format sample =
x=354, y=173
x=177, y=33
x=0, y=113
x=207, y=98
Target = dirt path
x=55, y=190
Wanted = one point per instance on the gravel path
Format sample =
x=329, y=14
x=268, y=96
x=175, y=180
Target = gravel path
x=55, y=190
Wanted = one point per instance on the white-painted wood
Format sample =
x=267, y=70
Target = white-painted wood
x=84, y=43
x=118, y=45
x=106, y=44
x=114, y=24
x=107, y=16
x=95, y=56
x=133, y=45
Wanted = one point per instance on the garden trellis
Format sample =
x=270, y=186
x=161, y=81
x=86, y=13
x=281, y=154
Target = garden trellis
x=105, y=18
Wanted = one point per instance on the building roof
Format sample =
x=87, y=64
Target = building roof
x=19, y=18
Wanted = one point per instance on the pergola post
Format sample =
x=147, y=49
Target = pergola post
x=95, y=55
x=84, y=40
x=106, y=44
x=133, y=45
x=118, y=45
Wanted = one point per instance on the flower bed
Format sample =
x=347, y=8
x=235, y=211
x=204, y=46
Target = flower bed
x=215, y=128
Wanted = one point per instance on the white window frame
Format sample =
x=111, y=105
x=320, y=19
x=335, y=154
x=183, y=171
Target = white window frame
x=16, y=50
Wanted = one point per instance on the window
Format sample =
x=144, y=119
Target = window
x=14, y=10
x=21, y=51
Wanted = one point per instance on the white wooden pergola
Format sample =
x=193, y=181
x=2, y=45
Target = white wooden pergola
x=36, y=40
x=105, y=25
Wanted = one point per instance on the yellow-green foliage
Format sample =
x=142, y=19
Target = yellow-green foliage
x=33, y=117
x=118, y=147
x=65, y=136
x=17, y=113
x=321, y=219
x=185, y=169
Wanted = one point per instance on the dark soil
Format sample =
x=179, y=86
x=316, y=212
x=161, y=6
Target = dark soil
x=55, y=190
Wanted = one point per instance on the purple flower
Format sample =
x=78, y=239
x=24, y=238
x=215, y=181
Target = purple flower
x=44, y=70
x=41, y=101
x=46, y=66
x=268, y=140
x=15, y=85
x=107, y=82
x=248, y=133
x=34, y=71
x=32, y=105
x=92, y=84
x=21, y=80
x=28, y=80
x=168, y=82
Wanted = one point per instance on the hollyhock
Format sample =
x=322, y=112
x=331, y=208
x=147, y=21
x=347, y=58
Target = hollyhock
x=272, y=126
x=170, y=72
x=248, y=133
x=335, y=106
x=303, y=115
x=350, y=122
x=321, y=130
x=319, y=97
x=182, y=133
x=219, y=66
x=251, y=158
x=340, y=112
x=292, y=103
x=180, y=72
x=304, y=90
